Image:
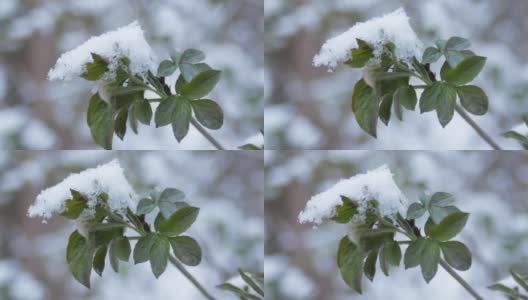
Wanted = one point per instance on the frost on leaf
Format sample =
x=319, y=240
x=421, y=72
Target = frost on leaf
x=377, y=32
x=377, y=184
x=127, y=41
x=108, y=178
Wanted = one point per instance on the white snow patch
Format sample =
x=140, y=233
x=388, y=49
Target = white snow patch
x=108, y=178
x=375, y=184
x=126, y=41
x=256, y=140
x=393, y=27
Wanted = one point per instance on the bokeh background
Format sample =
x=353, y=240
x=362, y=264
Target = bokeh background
x=309, y=108
x=300, y=261
x=37, y=114
x=227, y=186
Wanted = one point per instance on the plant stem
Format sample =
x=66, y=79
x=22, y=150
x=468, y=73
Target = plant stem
x=184, y=271
x=206, y=134
x=460, y=280
x=477, y=128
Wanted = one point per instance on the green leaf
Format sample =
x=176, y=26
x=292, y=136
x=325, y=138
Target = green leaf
x=165, y=111
x=441, y=44
x=457, y=255
x=502, y=288
x=132, y=119
x=431, y=55
x=441, y=199
x=390, y=255
x=74, y=206
x=406, y=96
x=519, y=280
x=187, y=250
x=120, y=123
x=79, y=257
x=413, y=254
x=201, y=85
x=344, y=212
x=370, y=265
x=121, y=248
x=145, y=206
x=170, y=201
x=250, y=282
x=360, y=55
x=95, y=69
x=523, y=140
x=180, y=83
x=385, y=108
x=445, y=108
x=114, y=260
x=181, y=118
x=167, y=68
x=466, y=71
x=438, y=213
x=365, y=107
x=208, y=113
x=143, y=111
x=350, y=262
x=142, y=248
x=431, y=96
x=192, y=56
x=99, y=260
x=158, y=221
x=445, y=70
x=189, y=71
x=100, y=121
x=176, y=56
x=180, y=221
x=415, y=211
x=159, y=255
x=473, y=99
x=457, y=43
x=449, y=227
x=429, y=259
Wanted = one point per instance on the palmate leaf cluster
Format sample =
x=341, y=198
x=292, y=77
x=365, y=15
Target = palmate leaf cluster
x=252, y=290
x=121, y=104
x=105, y=236
x=377, y=245
x=386, y=88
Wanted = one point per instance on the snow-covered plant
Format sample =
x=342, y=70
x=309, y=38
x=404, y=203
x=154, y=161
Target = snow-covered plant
x=511, y=287
x=124, y=67
x=380, y=220
x=519, y=133
x=395, y=66
x=246, y=286
x=106, y=210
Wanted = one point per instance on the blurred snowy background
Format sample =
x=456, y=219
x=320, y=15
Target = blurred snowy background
x=300, y=261
x=309, y=108
x=36, y=114
x=227, y=186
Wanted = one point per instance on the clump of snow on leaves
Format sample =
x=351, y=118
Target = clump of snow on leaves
x=376, y=184
x=377, y=32
x=128, y=41
x=108, y=178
